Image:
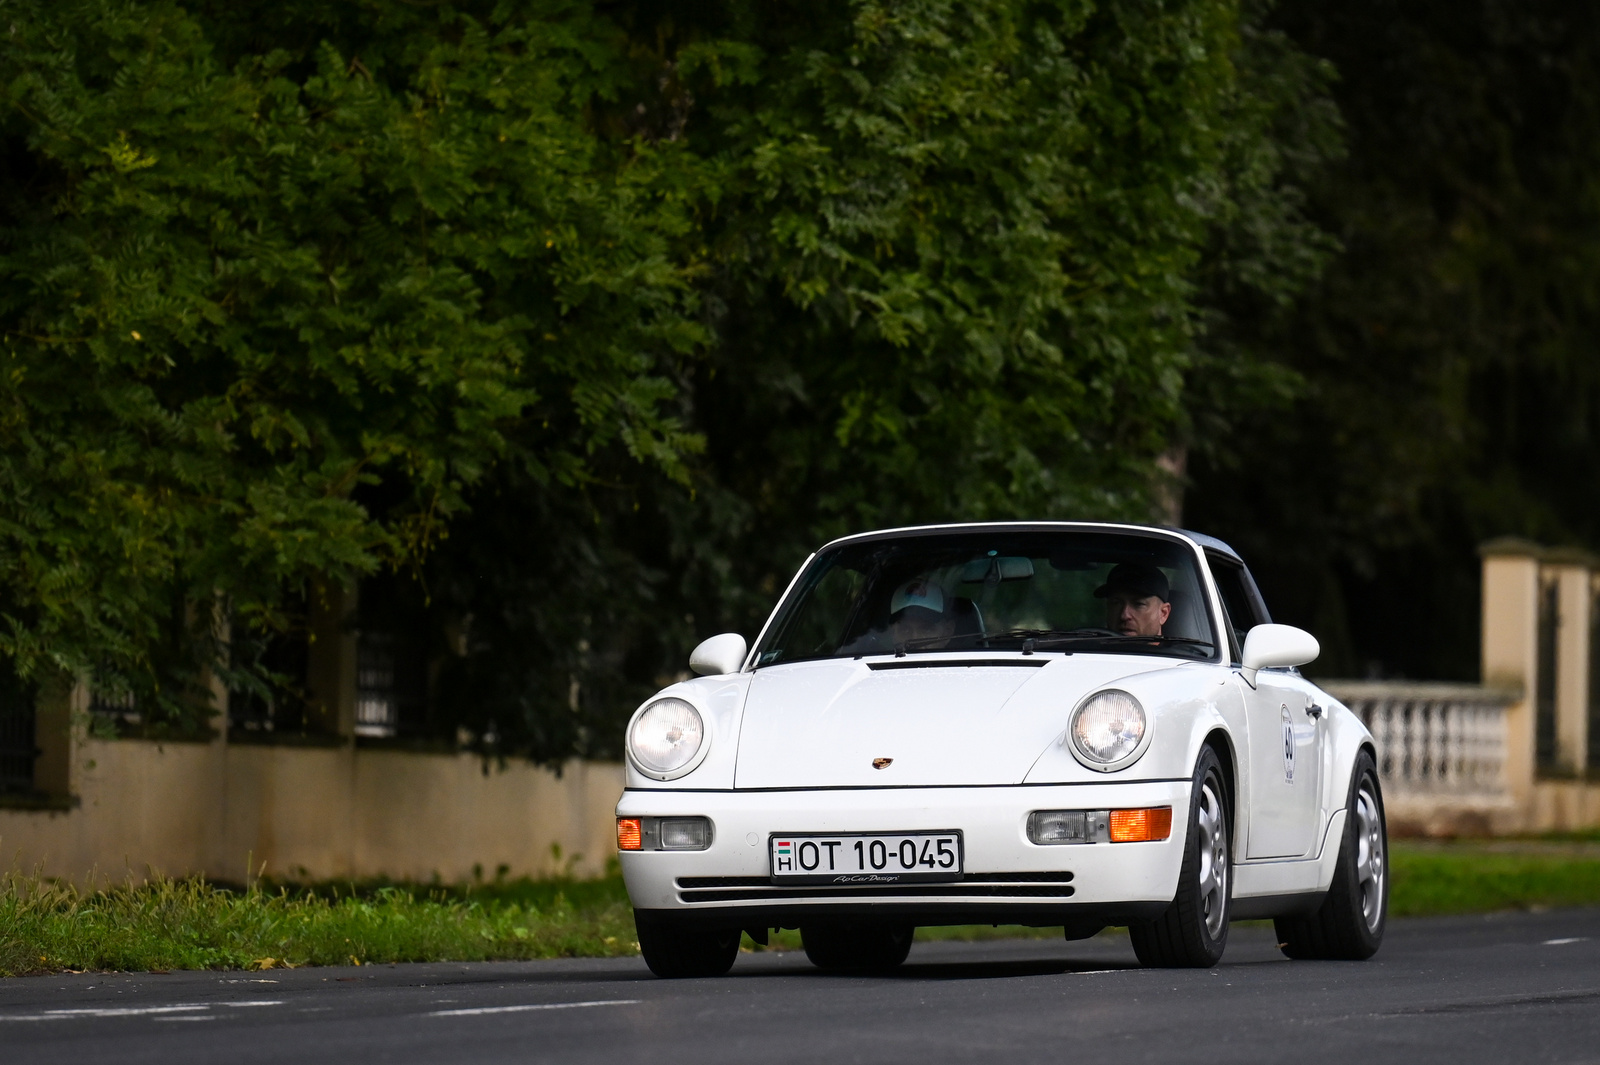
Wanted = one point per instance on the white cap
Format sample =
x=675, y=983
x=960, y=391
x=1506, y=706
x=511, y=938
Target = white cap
x=919, y=592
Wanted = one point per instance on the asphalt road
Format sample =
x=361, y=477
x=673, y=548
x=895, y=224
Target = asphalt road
x=1509, y=988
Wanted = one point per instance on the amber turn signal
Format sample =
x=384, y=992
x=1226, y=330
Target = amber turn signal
x=1141, y=826
x=630, y=834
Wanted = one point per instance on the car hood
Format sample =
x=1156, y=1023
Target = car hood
x=941, y=721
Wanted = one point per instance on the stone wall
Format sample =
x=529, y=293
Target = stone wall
x=314, y=813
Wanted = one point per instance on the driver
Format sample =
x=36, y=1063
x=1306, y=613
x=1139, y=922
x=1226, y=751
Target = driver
x=917, y=612
x=1138, y=599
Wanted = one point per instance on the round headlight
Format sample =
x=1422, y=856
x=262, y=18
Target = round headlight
x=1107, y=728
x=666, y=736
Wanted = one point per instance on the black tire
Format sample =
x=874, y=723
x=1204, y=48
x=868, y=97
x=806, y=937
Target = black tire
x=1349, y=924
x=673, y=951
x=857, y=948
x=1192, y=933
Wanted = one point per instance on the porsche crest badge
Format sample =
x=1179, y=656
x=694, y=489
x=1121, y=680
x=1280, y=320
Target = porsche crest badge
x=881, y=763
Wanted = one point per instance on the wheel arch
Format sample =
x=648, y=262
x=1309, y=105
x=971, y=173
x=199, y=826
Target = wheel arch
x=1369, y=746
x=1221, y=743
x=1344, y=753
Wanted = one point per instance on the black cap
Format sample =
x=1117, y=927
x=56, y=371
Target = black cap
x=1137, y=578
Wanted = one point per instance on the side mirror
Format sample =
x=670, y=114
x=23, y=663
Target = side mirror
x=1266, y=646
x=718, y=655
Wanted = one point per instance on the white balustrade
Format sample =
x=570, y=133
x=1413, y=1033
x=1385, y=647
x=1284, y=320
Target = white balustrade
x=1433, y=739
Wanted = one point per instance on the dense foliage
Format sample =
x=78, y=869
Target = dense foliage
x=582, y=323
x=1449, y=385
x=963, y=262
x=268, y=315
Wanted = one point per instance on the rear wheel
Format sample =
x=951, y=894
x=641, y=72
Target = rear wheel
x=1193, y=931
x=857, y=948
x=674, y=951
x=1349, y=924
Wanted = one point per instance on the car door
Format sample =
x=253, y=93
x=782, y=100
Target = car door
x=1285, y=740
x=1285, y=765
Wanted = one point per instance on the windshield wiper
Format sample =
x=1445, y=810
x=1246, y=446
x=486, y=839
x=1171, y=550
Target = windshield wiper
x=1049, y=634
x=1123, y=638
x=1161, y=638
x=1043, y=637
x=1036, y=635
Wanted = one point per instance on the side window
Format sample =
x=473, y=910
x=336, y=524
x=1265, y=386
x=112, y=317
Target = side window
x=1240, y=601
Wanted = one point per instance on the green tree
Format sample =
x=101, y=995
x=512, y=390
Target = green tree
x=962, y=261
x=591, y=320
x=268, y=318
x=1449, y=385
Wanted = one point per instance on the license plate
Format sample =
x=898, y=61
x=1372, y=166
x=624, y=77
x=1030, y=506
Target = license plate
x=884, y=858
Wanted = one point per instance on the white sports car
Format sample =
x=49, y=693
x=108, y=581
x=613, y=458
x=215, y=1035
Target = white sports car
x=1065, y=724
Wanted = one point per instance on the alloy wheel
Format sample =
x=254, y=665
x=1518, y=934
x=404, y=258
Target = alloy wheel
x=1212, y=824
x=1371, y=861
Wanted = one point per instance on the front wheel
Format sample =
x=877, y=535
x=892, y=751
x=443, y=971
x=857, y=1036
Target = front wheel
x=673, y=951
x=857, y=948
x=1193, y=931
x=1349, y=924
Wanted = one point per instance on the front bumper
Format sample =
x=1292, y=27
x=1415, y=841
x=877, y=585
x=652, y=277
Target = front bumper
x=1007, y=878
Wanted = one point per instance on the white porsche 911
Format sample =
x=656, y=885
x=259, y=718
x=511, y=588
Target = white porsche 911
x=1046, y=724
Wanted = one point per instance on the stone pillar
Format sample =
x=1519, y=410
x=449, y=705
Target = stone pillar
x=1572, y=666
x=215, y=686
x=1592, y=718
x=1510, y=649
x=60, y=710
x=331, y=670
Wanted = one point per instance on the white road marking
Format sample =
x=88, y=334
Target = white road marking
x=187, y=1017
x=481, y=1010
x=1564, y=942
x=124, y=1011
x=135, y=1011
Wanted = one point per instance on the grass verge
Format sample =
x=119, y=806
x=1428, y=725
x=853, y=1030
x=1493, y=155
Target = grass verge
x=1485, y=876
x=191, y=924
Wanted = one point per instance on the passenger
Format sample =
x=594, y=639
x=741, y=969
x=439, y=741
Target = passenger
x=917, y=614
x=919, y=617
x=1138, y=599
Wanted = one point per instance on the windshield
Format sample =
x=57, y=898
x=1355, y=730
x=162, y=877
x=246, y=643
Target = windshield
x=1010, y=591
